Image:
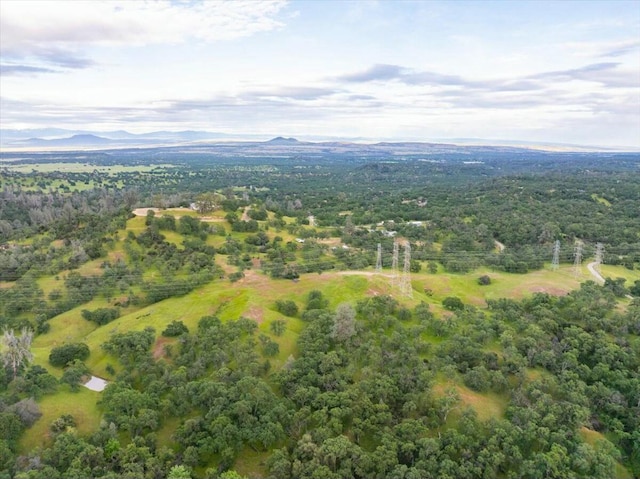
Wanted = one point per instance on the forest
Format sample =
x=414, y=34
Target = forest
x=320, y=316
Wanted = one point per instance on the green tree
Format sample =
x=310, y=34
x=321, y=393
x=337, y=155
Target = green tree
x=452, y=303
x=278, y=327
x=179, y=472
x=74, y=374
x=60, y=356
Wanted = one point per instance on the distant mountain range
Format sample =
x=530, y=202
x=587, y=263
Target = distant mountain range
x=57, y=137
x=62, y=139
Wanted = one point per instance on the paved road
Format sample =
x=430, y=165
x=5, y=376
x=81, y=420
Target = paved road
x=592, y=269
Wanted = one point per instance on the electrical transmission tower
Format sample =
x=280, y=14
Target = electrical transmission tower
x=405, y=282
x=577, y=258
x=379, y=259
x=599, y=255
x=394, y=264
x=555, y=263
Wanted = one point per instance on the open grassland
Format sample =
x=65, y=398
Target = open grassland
x=82, y=168
x=254, y=297
x=82, y=405
x=486, y=405
x=613, y=272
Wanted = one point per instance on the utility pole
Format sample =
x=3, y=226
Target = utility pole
x=379, y=259
x=405, y=284
x=599, y=255
x=394, y=264
x=577, y=258
x=555, y=262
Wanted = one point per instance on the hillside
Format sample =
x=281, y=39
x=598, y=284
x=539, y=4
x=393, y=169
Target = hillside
x=412, y=330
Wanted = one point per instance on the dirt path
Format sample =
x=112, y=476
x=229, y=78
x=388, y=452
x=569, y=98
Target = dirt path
x=363, y=273
x=594, y=272
x=499, y=245
x=143, y=211
x=312, y=221
x=245, y=216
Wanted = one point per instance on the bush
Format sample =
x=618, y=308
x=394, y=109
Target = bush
x=175, y=328
x=101, y=316
x=484, y=280
x=452, y=303
x=259, y=215
x=74, y=375
x=238, y=275
x=62, y=355
x=316, y=300
x=288, y=307
x=62, y=423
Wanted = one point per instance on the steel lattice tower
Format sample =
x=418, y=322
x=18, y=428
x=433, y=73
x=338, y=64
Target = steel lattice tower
x=394, y=264
x=577, y=258
x=379, y=259
x=405, y=283
x=555, y=262
x=599, y=255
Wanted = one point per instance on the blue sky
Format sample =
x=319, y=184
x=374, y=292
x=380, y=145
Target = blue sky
x=566, y=72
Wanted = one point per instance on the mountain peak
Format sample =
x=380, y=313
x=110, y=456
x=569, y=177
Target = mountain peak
x=280, y=140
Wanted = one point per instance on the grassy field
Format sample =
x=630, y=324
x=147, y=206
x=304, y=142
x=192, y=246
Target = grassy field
x=82, y=405
x=486, y=405
x=83, y=168
x=609, y=271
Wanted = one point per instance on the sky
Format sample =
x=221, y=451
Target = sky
x=552, y=72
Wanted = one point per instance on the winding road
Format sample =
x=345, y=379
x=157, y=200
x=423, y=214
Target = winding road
x=594, y=272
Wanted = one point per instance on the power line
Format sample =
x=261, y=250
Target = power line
x=599, y=256
x=577, y=258
x=394, y=264
x=555, y=262
x=405, y=282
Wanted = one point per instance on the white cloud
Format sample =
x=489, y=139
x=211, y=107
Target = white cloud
x=59, y=32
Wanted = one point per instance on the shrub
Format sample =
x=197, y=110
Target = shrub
x=175, y=328
x=452, y=303
x=101, y=316
x=62, y=355
x=286, y=307
x=238, y=275
x=484, y=280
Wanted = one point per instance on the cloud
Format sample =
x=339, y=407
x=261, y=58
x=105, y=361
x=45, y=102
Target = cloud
x=55, y=33
x=603, y=49
x=606, y=73
x=8, y=69
x=621, y=48
x=291, y=93
x=378, y=72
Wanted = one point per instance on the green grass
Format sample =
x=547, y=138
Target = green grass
x=486, y=405
x=82, y=168
x=597, y=440
x=81, y=405
x=251, y=463
x=503, y=285
x=609, y=271
x=255, y=295
x=600, y=199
